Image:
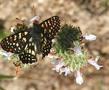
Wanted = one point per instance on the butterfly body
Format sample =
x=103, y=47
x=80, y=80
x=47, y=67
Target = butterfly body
x=36, y=36
x=29, y=42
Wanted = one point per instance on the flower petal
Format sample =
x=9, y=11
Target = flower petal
x=65, y=70
x=58, y=66
x=94, y=63
x=90, y=37
x=79, y=78
x=77, y=50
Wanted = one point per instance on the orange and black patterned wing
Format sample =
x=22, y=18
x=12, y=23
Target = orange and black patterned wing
x=21, y=43
x=50, y=27
x=16, y=42
x=29, y=53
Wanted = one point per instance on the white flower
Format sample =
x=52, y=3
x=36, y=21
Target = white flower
x=58, y=66
x=35, y=18
x=94, y=63
x=65, y=70
x=6, y=55
x=77, y=50
x=79, y=78
x=12, y=29
x=90, y=37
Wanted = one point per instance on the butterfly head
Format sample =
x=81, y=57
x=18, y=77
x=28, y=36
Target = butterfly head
x=35, y=20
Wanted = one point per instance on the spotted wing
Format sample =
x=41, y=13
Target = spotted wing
x=21, y=43
x=16, y=42
x=50, y=27
x=29, y=53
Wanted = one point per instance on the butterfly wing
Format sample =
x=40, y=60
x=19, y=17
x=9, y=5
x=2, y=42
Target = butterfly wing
x=50, y=27
x=16, y=42
x=29, y=53
x=26, y=58
x=21, y=43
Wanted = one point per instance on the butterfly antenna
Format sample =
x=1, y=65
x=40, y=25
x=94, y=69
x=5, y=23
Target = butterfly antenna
x=34, y=10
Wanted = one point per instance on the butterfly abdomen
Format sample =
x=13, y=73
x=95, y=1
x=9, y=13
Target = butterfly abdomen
x=36, y=35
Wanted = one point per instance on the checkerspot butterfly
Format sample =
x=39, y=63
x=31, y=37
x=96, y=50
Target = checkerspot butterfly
x=30, y=42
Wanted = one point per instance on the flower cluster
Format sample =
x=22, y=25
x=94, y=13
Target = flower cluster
x=73, y=60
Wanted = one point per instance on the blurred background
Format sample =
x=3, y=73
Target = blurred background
x=92, y=16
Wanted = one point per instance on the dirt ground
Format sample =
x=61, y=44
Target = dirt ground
x=90, y=15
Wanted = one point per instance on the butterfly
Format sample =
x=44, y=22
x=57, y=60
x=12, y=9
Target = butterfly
x=30, y=42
